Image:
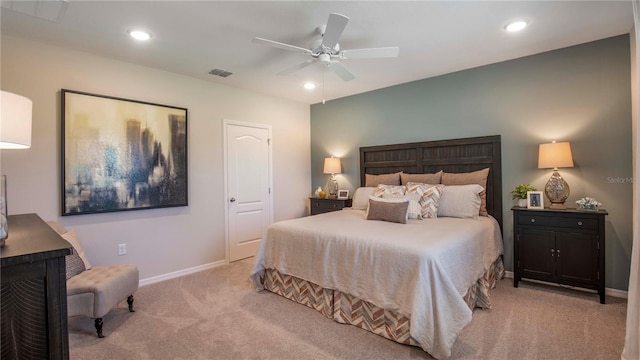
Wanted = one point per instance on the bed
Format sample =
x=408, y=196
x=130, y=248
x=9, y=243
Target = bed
x=416, y=283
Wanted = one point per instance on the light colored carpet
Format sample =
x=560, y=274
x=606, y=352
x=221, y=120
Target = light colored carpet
x=216, y=314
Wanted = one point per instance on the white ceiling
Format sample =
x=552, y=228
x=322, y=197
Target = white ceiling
x=193, y=37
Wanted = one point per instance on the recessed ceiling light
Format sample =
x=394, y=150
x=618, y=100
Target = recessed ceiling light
x=516, y=26
x=309, y=85
x=140, y=35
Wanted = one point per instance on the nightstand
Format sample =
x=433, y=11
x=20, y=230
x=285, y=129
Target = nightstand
x=320, y=206
x=560, y=246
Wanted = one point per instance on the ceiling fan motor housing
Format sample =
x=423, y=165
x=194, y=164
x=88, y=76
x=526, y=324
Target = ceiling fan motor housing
x=317, y=47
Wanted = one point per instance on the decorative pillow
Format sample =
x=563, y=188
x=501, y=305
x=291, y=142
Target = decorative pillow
x=74, y=240
x=74, y=264
x=360, y=199
x=427, y=198
x=461, y=201
x=421, y=178
x=392, y=211
x=414, y=211
x=476, y=177
x=386, y=179
x=390, y=191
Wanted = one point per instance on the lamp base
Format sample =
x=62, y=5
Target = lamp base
x=4, y=225
x=557, y=191
x=558, y=206
x=332, y=188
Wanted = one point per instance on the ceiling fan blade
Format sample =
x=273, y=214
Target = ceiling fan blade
x=335, y=27
x=297, y=67
x=370, y=53
x=280, y=45
x=341, y=71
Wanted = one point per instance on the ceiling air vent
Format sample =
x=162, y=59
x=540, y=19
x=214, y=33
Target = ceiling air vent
x=220, y=72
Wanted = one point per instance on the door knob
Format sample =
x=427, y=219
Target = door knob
x=232, y=199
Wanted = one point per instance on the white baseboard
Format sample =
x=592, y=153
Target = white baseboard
x=179, y=273
x=608, y=291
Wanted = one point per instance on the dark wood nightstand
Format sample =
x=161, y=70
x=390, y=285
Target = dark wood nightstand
x=320, y=206
x=34, y=291
x=560, y=246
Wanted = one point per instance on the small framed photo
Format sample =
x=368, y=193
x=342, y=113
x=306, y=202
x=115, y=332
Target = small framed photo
x=535, y=200
x=343, y=194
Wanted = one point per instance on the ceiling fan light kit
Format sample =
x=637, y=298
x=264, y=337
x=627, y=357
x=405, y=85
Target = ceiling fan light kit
x=327, y=49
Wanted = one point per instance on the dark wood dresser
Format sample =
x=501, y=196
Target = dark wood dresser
x=34, y=291
x=560, y=246
x=321, y=206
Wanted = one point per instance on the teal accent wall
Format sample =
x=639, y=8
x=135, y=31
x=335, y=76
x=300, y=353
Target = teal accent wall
x=580, y=94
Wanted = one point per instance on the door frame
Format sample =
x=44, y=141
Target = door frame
x=225, y=124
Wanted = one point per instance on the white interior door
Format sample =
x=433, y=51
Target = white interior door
x=248, y=186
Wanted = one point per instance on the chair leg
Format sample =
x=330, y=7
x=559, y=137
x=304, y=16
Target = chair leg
x=130, y=302
x=98, y=323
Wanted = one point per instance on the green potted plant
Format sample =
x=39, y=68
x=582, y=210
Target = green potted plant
x=520, y=194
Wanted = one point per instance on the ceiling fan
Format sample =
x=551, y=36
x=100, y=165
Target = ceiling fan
x=327, y=50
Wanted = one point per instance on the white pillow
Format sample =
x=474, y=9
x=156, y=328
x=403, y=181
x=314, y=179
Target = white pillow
x=360, y=199
x=460, y=201
x=74, y=240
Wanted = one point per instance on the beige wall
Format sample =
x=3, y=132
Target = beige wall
x=159, y=241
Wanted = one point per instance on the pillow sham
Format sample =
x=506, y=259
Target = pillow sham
x=427, y=197
x=385, y=210
x=390, y=191
x=386, y=179
x=421, y=178
x=476, y=177
x=460, y=201
x=360, y=199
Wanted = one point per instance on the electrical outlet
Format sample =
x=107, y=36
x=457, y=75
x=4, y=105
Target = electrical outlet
x=122, y=249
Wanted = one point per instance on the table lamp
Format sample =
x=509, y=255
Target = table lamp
x=332, y=166
x=15, y=133
x=556, y=155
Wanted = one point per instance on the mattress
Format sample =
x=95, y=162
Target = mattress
x=421, y=270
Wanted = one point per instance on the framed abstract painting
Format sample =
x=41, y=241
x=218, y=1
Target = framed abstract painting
x=120, y=154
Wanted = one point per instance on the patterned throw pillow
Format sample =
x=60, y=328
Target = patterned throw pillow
x=390, y=191
x=74, y=264
x=427, y=196
x=72, y=237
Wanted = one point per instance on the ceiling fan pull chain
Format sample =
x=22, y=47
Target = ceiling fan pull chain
x=323, y=85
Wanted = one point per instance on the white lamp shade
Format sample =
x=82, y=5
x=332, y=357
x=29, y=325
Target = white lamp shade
x=332, y=166
x=555, y=155
x=15, y=121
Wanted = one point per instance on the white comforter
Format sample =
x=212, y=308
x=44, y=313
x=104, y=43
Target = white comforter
x=421, y=269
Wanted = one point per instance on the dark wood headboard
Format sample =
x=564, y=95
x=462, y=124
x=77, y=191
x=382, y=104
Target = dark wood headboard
x=452, y=156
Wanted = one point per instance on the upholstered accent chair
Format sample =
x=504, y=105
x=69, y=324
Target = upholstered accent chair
x=93, y=291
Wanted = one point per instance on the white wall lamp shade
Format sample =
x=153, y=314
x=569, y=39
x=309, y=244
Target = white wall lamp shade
x=15, y=121
x=332, y=166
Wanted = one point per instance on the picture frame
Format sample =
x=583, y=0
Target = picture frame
x=343, y=194
x=121, y=154
x=535, y=200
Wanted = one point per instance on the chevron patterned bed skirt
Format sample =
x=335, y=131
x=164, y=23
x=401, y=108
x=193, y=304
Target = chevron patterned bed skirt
x=347, y=309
